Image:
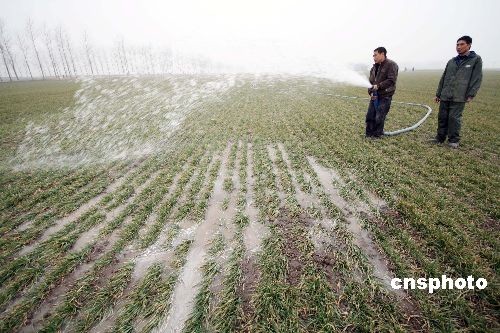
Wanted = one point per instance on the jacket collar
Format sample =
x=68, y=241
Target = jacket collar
x=471, y=54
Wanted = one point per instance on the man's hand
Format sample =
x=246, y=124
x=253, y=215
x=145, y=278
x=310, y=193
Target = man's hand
x=469, y=99
x=437, y=99
x=373, y=97
x=374, y=87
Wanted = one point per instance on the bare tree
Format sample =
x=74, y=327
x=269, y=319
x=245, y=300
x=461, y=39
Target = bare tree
x=117, y=60
x=145, y=60
x=98, y=61
x=105, y=61
x=12, y=59
x=8, y=58
x=120, y=59
x=152, y=60
x=68, y=47
x=48, y=44
x=88, y=51
x=31, y=35
x=82, y=60
x=141, y=59
x=2, y=50
x=24, y=49
x=167, y=61
x=5, y=61
x=134, y=66
x=62, y=51
x=124, y=55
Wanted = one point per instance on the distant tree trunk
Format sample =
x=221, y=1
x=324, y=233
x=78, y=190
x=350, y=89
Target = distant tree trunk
x=62, y=52
x=152, y=61
x=5, y=61
x=142, y=61
x=29, y=28
x=24, y=50
x=145, y=62
x=131, y=59
x=84, y=63
x=167, y=61
x=68, y=47
x=163, y=63
x=12, y=61
x=98, y=62
x=87, y=51
x=48, y=44
x=121, y=62
x=106, y=61
x=117, y=61
x=6, y=54
x=139, y=64
x=61, y=55
x=125, y=61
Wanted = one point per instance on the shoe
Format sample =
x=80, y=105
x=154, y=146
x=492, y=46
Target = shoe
x=453, y=145
x=436, y=141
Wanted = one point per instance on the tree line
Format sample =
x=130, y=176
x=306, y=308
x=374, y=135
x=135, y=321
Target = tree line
x=40, y=52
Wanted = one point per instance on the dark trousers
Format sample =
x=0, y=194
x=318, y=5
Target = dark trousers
x=449, y=121
x=375, y=117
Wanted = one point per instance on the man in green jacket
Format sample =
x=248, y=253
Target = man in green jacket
x=458, y=85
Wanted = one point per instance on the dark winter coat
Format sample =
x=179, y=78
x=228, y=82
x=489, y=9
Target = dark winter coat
x=384, y=75
x=461, y=78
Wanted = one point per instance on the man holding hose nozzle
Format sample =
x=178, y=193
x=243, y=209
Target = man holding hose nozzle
x=458, y=85
x=383, y=76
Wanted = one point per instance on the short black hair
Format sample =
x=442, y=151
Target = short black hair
x=381, y=49
x=466, y=39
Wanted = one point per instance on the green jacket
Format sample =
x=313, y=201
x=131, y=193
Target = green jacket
x=461, y=79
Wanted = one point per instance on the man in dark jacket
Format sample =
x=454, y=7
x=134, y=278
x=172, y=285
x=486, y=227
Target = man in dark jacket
x=383, y=76
x=458, y=85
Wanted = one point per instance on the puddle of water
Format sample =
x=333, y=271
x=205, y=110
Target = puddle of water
x=61, y=223
x=305, y=200
x=272, y=155
x=362, y=237
x=190, y=278
x=255, y=232
x=90, y=235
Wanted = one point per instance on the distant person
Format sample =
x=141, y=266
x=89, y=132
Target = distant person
x=383, y=76
x=458, y=85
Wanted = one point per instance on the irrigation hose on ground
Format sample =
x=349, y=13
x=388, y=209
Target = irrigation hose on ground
x=399, y=131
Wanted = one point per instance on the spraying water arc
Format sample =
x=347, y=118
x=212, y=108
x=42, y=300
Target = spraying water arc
x=346, y=75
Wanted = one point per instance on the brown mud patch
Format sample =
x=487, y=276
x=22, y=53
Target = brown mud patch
x=292, y=230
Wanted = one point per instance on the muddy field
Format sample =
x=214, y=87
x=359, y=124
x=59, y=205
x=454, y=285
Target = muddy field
x=241, y=203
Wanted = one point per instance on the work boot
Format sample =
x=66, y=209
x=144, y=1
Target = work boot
x=453, y=145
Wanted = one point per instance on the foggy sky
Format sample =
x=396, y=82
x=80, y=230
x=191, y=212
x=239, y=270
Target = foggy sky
x=419, y=33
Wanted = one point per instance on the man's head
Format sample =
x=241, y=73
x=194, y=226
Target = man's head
x=463, y=45
x=379, y=54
